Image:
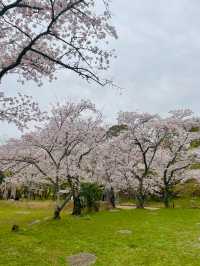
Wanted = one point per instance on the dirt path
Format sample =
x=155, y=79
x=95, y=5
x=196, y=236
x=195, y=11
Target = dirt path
x=130, y=207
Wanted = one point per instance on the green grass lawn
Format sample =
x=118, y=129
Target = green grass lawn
x=160, y=237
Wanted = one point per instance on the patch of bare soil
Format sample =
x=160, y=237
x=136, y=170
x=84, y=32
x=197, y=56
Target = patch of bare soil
x=126, y=207
x=152, y=208
x=129, y=207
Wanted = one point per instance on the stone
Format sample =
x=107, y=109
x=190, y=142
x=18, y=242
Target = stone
x=35, y=222
x=125, y=232
x=82, y=259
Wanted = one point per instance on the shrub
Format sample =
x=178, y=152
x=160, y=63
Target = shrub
x=2, y=177
x=91, y=194
x=195, y=143
x=116, y=130
x=195, y=166
x=190, y=188
x=194, y=129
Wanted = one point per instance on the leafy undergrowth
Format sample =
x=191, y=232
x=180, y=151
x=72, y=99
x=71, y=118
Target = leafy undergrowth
x=159, y=238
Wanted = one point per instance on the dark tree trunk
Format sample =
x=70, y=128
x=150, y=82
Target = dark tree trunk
x=77, y=206
x=109, y=196
x=140, y=202
x=166, y=198
x=57, y=213
x=75, y=189
x=140, y=198
x=112, y=198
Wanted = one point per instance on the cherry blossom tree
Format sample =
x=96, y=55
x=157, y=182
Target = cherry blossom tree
x=140, y=144
x=124, y=161
x=174, y=157
x=103, y=165
x=55, y=152
x=39, y=37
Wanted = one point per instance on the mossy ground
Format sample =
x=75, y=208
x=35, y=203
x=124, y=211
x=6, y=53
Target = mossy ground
x=159, y=238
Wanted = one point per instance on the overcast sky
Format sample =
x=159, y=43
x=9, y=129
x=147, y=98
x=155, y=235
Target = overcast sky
x=158, y=63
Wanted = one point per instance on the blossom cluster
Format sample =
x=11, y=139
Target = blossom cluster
x=38, y=37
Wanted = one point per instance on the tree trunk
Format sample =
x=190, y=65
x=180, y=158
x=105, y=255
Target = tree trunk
x=140, y=196
x=112, y=198
x=77, y=205
x=58, y=208
x=57, y=213
x=109, y=196
x=140, y=202
x=166, y=198
x=57, y=193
